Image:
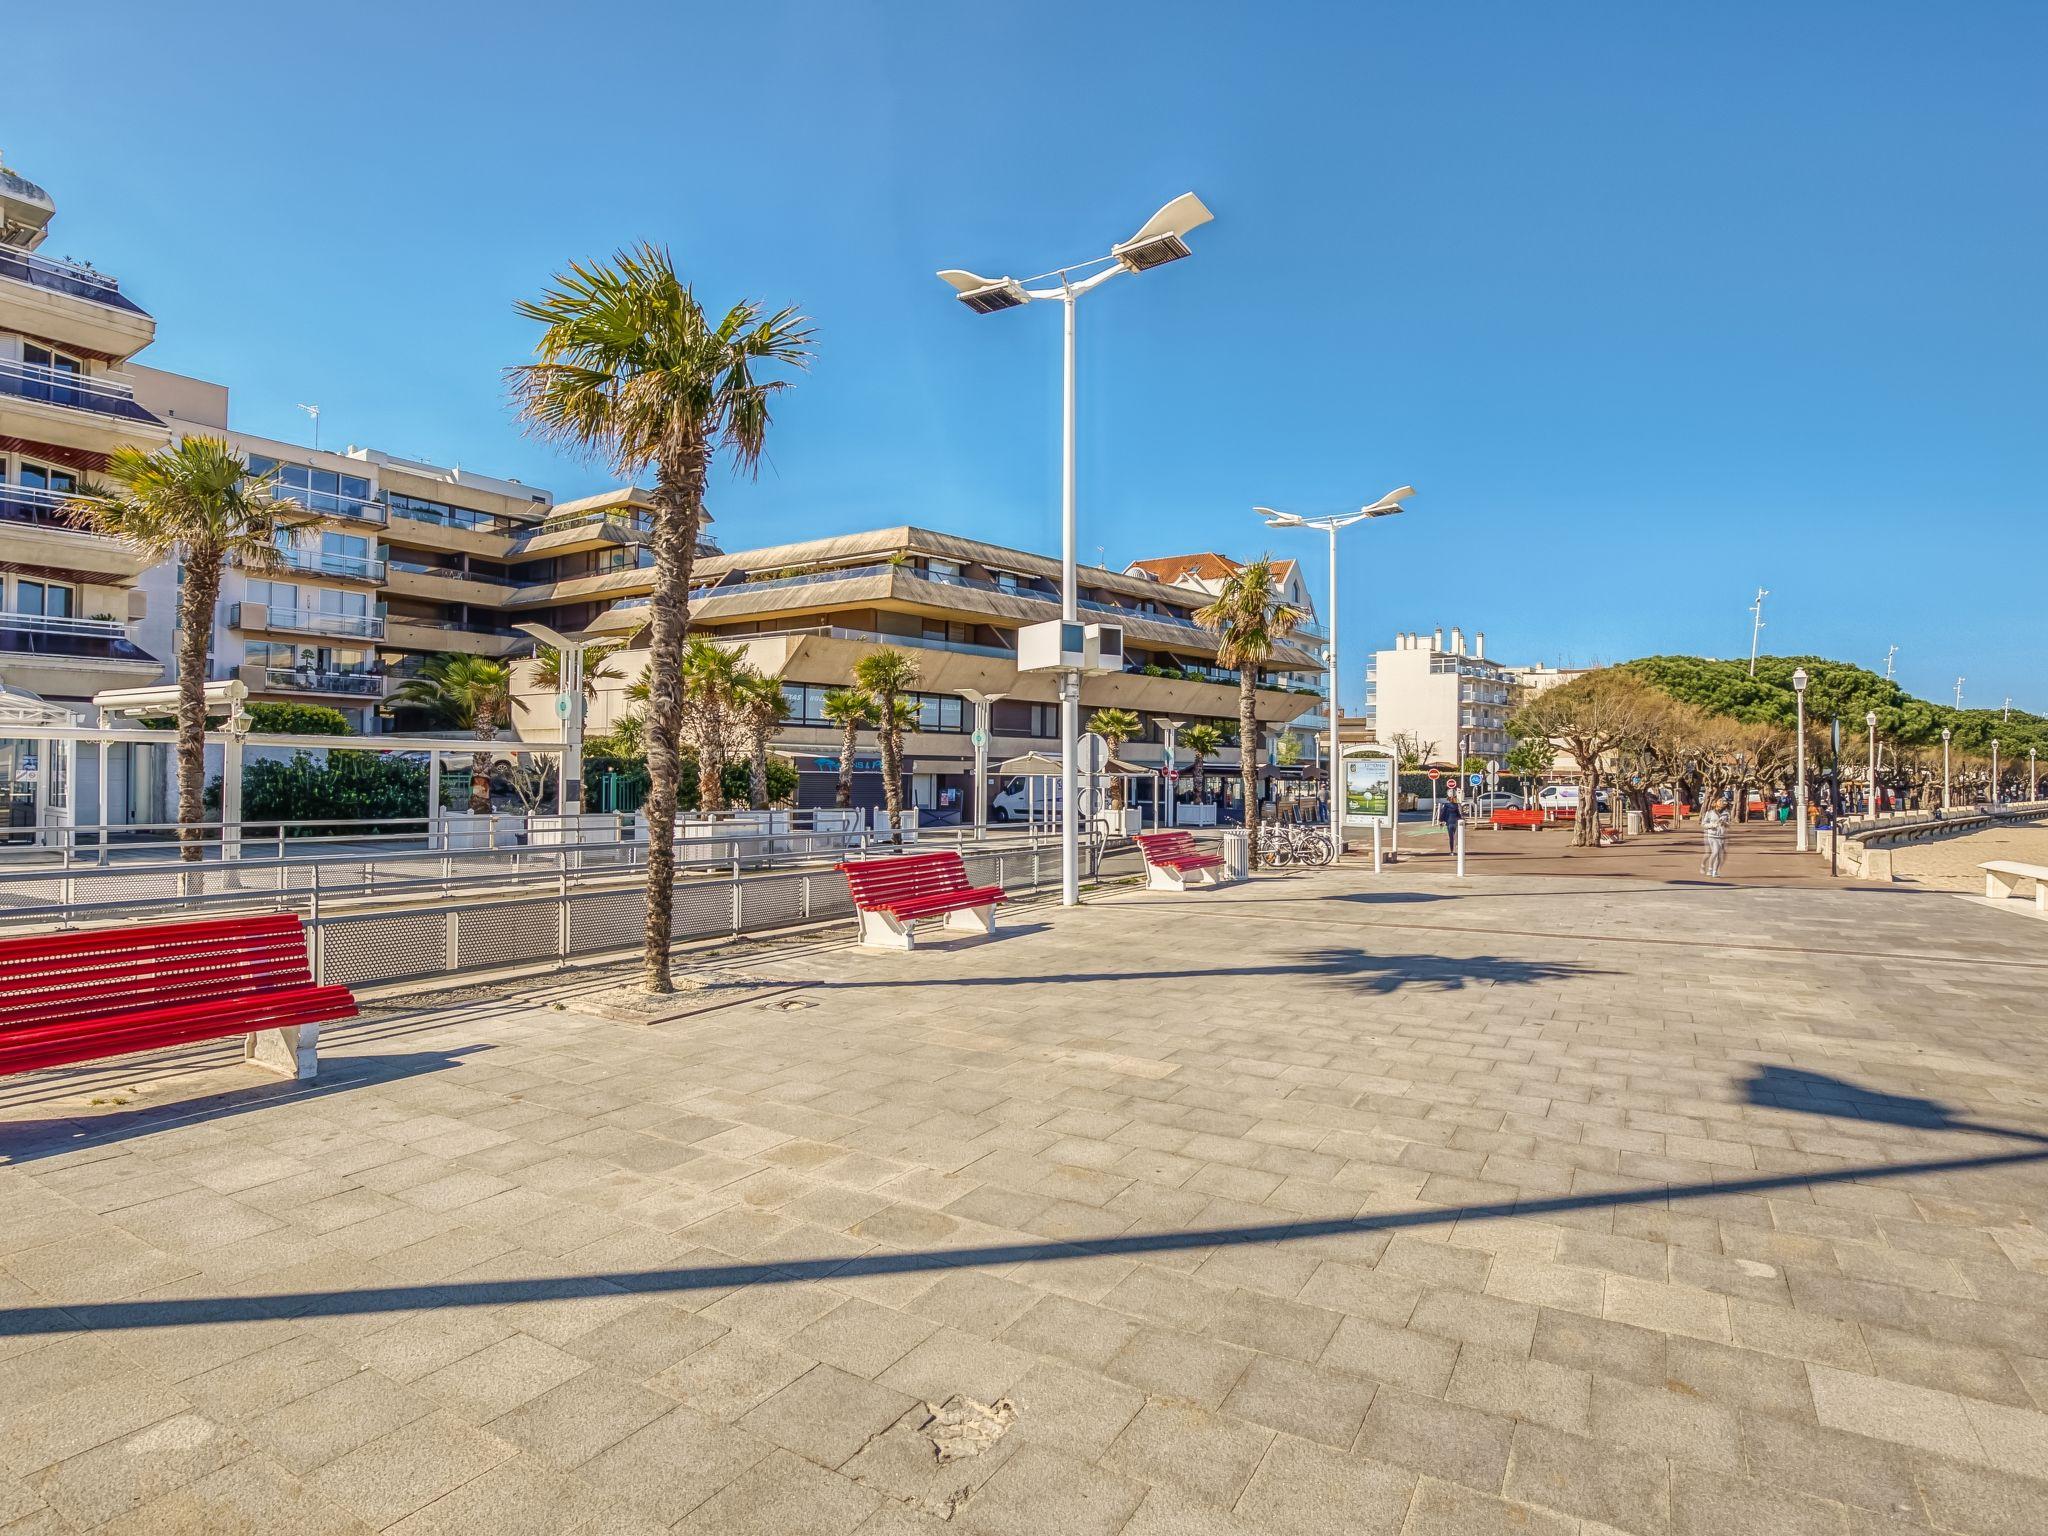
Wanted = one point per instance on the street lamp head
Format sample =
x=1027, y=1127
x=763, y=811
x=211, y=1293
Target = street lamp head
x=1946, y=733
x=1160, y=240
x=1799, y=679
x=1871, y=719
x=546, y=636
x=1280, y=519
x=1388, y=504
x=985, y=295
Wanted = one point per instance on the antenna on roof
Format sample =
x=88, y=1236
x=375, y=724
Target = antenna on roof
x=314, y=412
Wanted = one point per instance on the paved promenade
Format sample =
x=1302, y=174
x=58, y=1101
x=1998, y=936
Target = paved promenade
x=1535, y=1204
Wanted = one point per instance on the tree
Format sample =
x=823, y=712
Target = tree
x=1413, y=750
x=195, y=501
x=597, y=668
x=1589, y=717
x=713, y=679
x=1205, y=741
x=467, y=693
x=1249, y=618
x=849, y=709
x=760, y=706
x=1527, y=760
x=631, y=368
x=886, y=676
x=1115, y=727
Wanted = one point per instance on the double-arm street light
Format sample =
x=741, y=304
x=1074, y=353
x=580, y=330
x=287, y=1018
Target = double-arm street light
x=1162, y=239
x=1386, y=506
x=569, y=707
x=1799, y=790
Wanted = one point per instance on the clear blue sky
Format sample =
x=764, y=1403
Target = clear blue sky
x=1653, y=304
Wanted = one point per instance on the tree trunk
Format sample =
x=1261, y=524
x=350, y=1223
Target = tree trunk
x=678, y=513
x=892, y=763
x=711, y=756
x=480, y=783
x=1586, y=829
x=757, y=770
x=849, y=746
x=1248, y=758
x=195, y=629
x=1118, y=786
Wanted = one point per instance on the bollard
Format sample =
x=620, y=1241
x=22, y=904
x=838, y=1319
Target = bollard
x=1461, y=848
x=1375, y=847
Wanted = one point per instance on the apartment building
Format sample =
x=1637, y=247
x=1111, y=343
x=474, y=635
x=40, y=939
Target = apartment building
x=1450, y=699
x=810, y=611
x=1205, y=572
x=69, y=603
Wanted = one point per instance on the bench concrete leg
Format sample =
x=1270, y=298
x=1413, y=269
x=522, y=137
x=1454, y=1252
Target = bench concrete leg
x=881, y=930
x=1159, y=878
x=1998, y=885
x=981, y=920
x=293, y=1051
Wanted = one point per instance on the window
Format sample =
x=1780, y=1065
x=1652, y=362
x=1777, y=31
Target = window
x=939, y=712
x=42, y=478
x=44, y=597
x=59, y=375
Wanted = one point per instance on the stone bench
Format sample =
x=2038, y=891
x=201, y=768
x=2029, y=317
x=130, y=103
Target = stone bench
x=2002, y=879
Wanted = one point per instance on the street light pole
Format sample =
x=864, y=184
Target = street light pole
x=568, y=705
x=984, y=705
x=1386, y=506
x=1158, y=242
x=1799, y=791
x=1945, y=734
x=1871, y=721
x=1994, y=770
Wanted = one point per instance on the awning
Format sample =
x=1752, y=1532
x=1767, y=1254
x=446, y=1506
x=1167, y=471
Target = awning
x=1039, y=765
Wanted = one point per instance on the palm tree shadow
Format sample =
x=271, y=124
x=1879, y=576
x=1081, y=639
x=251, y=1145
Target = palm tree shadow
x=1379, y=975
x=1816, y=1093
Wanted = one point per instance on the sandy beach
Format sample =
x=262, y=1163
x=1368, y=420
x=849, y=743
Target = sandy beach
x=1950, y=864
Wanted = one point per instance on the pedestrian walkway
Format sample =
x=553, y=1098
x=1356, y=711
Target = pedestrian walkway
x=1760, y=853
x=1322, y=1203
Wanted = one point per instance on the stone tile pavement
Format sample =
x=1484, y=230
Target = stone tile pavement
x=1538, y=1205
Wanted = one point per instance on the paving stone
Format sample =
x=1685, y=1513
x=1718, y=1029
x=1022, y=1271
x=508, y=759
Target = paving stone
x=1039, y=1489
x=1073, y=1410
x=1895, y=1411
x=1311, y=1490
x=252, y=1495
x=826, y=1414
x=1172, y=1364
x=1311, y=1402
x=783, y=1495
x=517, y=1497
x=1399, y=1357
x=951, y=1361
x=1208, y=1454
x=1671, y=1421
x=1441, y=1439
x=310, y=1431
x=1828, y=1464
x=1445, y=1509
x=731, y=1375
x=385, y=1480
x=1072, y=1330
x=1590, y=1479
x=1982, y=1501
x=669, y=1467
x=499, y=1377
x=567, y=1425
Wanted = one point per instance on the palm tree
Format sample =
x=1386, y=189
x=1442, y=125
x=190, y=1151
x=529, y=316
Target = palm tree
x=1115, y=726
x=629, y=366
x=469, y=693
x=713, y=678
x=196, y=500
x=1249, y=618
x=761, y=706
x=849, y=709
x=597, y=668
x=1205, y=741
x=885, y=676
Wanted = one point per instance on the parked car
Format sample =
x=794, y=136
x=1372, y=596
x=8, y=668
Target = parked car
x=1495, y=800
x=1564, y=797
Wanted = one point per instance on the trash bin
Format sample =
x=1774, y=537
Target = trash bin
x=1236, y=855
x=1635, y=822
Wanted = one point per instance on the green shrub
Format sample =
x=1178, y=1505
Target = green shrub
x=349, y=786
x=300, y=720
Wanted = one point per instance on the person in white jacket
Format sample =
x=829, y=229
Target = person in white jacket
x=1714, y=827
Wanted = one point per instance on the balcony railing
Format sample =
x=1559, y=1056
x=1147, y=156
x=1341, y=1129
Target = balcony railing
x=369, y=685
x=460, y=519
x=45, y=634
x=39, y=505
x=68, y=277
x=448, y=573
x=638, y=522
x=301, y=621
x=74, y=391
x=332, y=563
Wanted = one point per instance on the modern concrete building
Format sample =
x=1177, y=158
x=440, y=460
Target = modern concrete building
x=1451, y=699
x=810, y=611
x=1541, y=678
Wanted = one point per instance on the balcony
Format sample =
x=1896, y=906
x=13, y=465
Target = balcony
x=321, y=562
x=41, y=634
x=358, y=685
x=42, y=385
x=40, y=530
x=65, y=277
x=299, y=621
x=444, y=583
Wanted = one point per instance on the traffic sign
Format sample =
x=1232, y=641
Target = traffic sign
x=1493, y=765
x=1477, y=779
x=1172, y=774
x=1435, y=774
x=562, y=705
x=1091, y=753
x=979, y=738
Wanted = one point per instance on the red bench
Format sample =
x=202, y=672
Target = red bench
x=890, y=895
x=1507, y=816
x=67, y=997
x=1662, y=811
x=1170, y=857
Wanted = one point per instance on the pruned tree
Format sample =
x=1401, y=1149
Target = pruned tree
x=1589, y=718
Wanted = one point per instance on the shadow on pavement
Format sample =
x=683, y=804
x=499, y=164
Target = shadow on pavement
x=193, y=1310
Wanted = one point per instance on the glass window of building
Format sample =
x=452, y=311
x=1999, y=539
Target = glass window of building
x=49, y=598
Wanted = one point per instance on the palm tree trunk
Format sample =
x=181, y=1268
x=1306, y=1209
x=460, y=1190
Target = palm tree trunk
x=480, y=783
x=892, y=763
x=757, y=770
x=1248, y=757
x=678, y=514
x=195, y=629
x=849, y=746
x=711, y=758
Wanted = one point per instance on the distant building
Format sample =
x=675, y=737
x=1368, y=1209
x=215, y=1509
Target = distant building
x=1451, y=699
x=1541, y=679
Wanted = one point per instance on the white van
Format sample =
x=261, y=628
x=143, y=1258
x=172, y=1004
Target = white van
x=1017, y=799
x=1558, y=797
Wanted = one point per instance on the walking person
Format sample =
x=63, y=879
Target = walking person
x=1714, y=827
x=1450, y=813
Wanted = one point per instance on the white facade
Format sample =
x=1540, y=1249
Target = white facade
x=1541, y=678
x=1448, y=697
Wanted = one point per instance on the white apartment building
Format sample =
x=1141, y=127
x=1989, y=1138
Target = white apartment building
x=1541, y=678
x=1450, y=698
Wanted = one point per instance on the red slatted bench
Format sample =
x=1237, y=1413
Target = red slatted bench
x=890, y=895
x=1663, y=811
x=1171, y=857
x=1508, y=816
x=67, y=997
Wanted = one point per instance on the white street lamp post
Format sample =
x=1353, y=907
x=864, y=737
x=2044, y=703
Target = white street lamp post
x=1799, y=790
x=569, y=706
x=1169, y=812
x=1945, y=734
x=1871, y=721
x=984, y=705
x=1157, y=243
x=1386, y=506
x=1994, y=770
x=2033, y=783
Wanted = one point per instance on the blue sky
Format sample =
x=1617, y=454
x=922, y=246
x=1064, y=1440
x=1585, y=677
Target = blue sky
x=1652, y=304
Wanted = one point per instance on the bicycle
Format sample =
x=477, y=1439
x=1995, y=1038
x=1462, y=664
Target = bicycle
x=1285, y=845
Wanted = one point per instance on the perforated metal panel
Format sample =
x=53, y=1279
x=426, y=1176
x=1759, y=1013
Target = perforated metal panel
x=612, y=920
x=702, y=908
x=383, y=946
x=773, y=902
x=507, y=933
x=829, y=896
